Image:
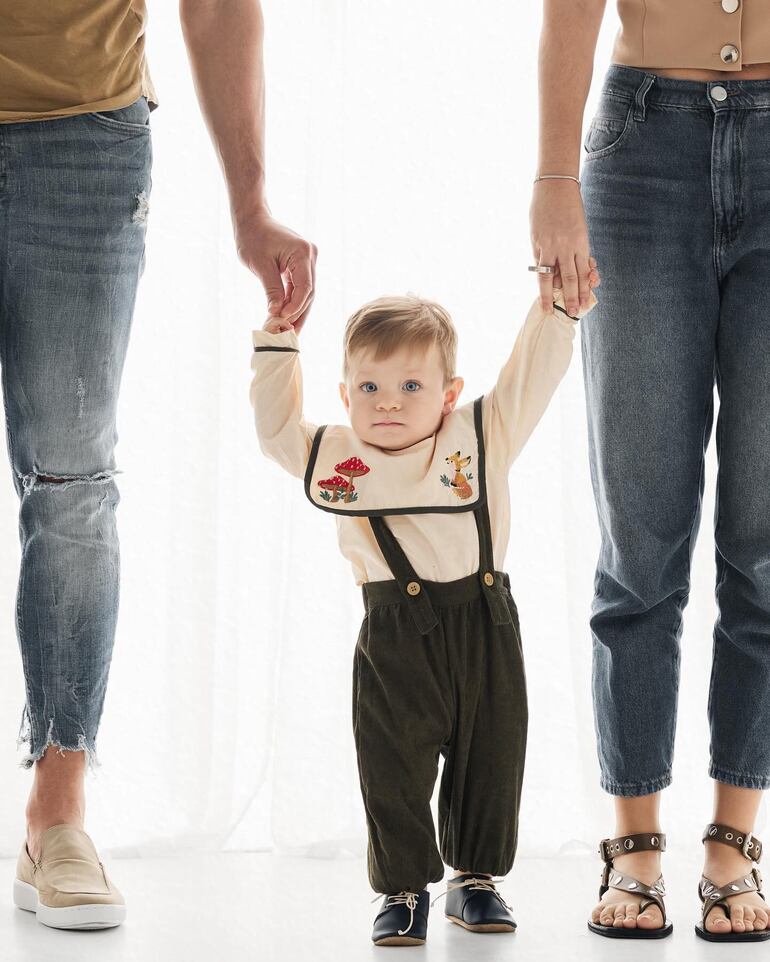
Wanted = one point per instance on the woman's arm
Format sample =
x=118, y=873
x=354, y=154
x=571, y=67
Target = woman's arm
x=558, y=231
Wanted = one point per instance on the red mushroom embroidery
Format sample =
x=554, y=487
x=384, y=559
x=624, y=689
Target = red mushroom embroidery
x=335, y=485
x=352, y=468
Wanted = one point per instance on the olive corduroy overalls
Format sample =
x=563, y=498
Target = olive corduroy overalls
x=438, y=669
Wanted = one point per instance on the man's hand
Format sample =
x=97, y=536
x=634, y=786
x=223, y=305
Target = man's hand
x=283, y=261
x=224, y=43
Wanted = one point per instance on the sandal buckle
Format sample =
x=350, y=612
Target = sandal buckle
x=747, y=845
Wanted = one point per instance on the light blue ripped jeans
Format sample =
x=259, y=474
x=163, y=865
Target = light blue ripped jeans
x=73, y=211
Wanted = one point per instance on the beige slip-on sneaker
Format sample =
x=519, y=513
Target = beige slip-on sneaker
x=68, y=887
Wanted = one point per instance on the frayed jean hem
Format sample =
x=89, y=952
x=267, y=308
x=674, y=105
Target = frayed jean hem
x=36, y=752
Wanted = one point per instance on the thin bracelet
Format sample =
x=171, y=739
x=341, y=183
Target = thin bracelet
x=560, y=176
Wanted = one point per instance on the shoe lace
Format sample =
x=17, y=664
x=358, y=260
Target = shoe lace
x=409, y=899
x=476, y=884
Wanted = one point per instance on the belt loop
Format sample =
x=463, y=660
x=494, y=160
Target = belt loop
x=640, y=103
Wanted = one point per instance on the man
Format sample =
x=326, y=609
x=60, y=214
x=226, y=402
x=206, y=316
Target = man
x=75, y=162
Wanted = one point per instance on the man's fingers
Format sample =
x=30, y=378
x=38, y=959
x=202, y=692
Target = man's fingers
x=301, y=285
x=301, y=319
x=273, y=284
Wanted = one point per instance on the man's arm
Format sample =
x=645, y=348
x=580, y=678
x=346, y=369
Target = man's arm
x=224, y=46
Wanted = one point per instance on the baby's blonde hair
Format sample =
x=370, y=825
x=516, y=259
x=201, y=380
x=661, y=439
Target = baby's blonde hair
x=388, y=323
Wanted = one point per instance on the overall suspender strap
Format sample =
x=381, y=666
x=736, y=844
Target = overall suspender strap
x=411, y=587
x=491, y=582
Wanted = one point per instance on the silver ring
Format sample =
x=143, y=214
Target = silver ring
x=542, y=268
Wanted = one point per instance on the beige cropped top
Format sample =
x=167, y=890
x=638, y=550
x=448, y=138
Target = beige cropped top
x=706, y=34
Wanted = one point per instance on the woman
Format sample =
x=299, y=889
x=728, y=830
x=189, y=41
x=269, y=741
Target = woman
x=675, y=197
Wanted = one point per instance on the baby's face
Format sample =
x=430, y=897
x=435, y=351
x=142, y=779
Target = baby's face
x=399, y=400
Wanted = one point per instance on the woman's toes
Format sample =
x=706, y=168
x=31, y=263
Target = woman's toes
x=650, y=918
x=632, y=911
x=620, y=914
x=717, y=921
x=607, y=915
x=748, y=918
x=736, y=917
x=760, y=922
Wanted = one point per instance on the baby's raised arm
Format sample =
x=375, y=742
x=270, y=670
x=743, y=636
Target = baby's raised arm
x=539, y=360
x=276, y=396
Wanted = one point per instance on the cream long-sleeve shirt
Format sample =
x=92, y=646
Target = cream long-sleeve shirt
x=431, y=494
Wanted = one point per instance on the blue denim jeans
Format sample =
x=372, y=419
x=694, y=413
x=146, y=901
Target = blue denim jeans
x=73, y=212
x=676, y=190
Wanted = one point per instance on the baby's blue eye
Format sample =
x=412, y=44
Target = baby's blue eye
x=411, y=386
x=367, y=385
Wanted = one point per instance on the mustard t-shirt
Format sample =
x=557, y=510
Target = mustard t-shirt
x=60, y=57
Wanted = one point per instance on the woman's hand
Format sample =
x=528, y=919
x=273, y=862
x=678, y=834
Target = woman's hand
x=559, y=237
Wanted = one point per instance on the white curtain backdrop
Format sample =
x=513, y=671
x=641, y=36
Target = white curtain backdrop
x=402, y=139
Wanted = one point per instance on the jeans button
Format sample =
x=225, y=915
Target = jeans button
x=718, y=92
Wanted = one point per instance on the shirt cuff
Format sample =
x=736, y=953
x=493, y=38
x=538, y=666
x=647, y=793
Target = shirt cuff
x=560, y=308
x=268, y=341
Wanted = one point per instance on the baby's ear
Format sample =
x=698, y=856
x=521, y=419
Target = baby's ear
x=344, y=395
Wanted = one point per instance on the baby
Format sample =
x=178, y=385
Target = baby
x=438, y=663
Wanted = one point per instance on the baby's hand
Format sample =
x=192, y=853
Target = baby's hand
x=275, y=325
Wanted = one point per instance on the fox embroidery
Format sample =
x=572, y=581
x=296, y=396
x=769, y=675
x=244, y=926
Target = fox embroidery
x=460, y=482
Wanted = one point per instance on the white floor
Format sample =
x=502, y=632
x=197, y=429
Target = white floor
x=264, y=908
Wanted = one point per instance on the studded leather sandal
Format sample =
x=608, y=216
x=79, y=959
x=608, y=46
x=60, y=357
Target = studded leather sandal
x=612, y=878
x=712, y=894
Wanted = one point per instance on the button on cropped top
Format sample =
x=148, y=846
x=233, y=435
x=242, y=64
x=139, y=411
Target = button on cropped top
x=705, y=34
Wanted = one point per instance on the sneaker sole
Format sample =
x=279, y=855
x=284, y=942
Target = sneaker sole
x=399, y=940
x=93, y=916
x=483, y=926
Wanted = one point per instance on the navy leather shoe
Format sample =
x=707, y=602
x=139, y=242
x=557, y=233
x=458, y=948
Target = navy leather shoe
x=473, y=902
x=402, y=919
